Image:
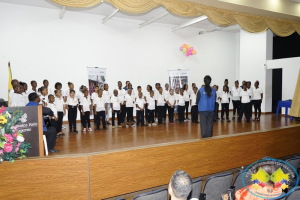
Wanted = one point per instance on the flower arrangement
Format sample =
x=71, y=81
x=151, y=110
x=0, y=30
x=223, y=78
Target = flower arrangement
x=12, y=143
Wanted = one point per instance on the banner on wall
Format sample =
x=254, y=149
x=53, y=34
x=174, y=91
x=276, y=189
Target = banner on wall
x=96, y=77
x=177, y=78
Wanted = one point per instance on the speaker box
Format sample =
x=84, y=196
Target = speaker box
x=3, y=103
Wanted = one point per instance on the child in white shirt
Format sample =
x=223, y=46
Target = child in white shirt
x=17, y=99
x=181, y=106
x=116, y=109
x=171, y=101
x=121, y=95
x=225, y=103
x=186, y=95
x=147, y=95
x=106, y=96
x=236, y=102
x=100, y=110
x=166, y=93
x=85, y=104
x=216, y=110
x=160, y=102
x=129, y=101
x=245, y=104
x=61, y=110
x=72, y=102
x=44, y=95
x=140, y=106
x=194, y=106
x=52, y=106
x=176, y=105
x=151, y=108
x=257, y=99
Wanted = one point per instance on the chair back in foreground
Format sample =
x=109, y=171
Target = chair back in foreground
x=295, y=195
x=238, y=181
x=215, y=186
x=161, y=194
x=196, y=189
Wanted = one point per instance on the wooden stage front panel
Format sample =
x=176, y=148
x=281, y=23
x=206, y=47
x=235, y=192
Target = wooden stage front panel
x=112, y=173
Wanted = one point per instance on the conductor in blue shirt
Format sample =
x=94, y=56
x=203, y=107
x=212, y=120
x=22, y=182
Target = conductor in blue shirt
x=206, y=98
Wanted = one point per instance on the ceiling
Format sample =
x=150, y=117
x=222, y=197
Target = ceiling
x=285, y=9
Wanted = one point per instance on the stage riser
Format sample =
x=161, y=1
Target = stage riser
x=111, y=174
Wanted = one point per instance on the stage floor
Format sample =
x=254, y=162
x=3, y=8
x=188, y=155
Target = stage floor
x=120, y=138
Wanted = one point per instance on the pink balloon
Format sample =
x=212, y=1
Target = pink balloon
x=192, y=48
x=187, y=54
x=189, y=49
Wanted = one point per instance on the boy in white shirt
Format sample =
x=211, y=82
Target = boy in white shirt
x=176, y=105
x=17, y=99
x=250, y=92
x=116, y=109
x=225, y=103
x=194, y=106
x=13, y=82
x=100, y=110
x=151, y=108
x=257, y=99
x=140, y=106
x=160, y=102
x=171, y=101
x=166, y=94
x=33, y=88
x=181, y=106
x=121, y=95
x=236, y=102
x=52, y=106
x=86, y=109
x=61, y=110
x=129, y=101
x=245, y=104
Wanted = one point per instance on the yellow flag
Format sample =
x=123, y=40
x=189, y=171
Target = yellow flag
x=9, y=80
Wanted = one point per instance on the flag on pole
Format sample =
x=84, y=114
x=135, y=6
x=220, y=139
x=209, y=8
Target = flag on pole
x=9, y=81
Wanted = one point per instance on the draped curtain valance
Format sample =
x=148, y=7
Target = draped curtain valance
x=222, y=17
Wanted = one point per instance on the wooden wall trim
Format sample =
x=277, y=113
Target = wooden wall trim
x=41, y=132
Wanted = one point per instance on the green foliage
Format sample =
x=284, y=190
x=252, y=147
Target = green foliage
x=10, y=146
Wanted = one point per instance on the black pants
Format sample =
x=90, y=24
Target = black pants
x=60, y=116
x=247, y=108
x=72, y=116
x=236, y=107
x=51, y=137
x=257, y=107
x=129, y=111
x=118, y=116
x=54, y=124
x=86, y=119
x=216, y=111
x=156, y=111
x=140, y=117
x=171, y=114
x=146, y=112
x=160, y=113
x=206, y=124
x=100, y=114
x=165, y=111
x=187, y=103
x=81, y=117
x=194, y=111
x=151, y=116
x=225, y=108
x=181, y=113
x=123, y=113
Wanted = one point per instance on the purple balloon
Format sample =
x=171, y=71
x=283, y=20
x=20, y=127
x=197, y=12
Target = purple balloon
x=181, y=48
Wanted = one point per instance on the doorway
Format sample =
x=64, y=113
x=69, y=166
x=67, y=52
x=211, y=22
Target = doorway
x=276, y=89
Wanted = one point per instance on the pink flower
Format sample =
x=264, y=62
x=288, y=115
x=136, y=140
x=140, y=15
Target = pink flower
x=15, y=134
x=9, y=138
x=8, y=147
x=2, y=109
x=16, y=149
x=15, y=128
x=1, y=151
x=18, y=145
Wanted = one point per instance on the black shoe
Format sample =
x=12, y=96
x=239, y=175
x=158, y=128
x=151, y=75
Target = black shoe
x=218, y=117
x=57, y=136
x=228, y=120
x=53, y=151
x=215, y=120
x=233, y=118
x=181, y=122
x=63, y=134
x=249, y=121
x=70, y=132
x=222, y=120
x=238, y=121
x=97, y=129
x=75, y=131
x=197, y=122
x=104, y=128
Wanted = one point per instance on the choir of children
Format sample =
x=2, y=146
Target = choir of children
x=122, y=101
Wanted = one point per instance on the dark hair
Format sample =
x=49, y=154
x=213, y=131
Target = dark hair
x=119, y=81
x=151, y=91
x=45, y=81
x=193, y=83
x=236, y=82
x=248, y=82
x=139, y=87
x=41, y=89
x=31, y=82
x=255, y=82
x=14, y=80
x=195, y=87
x=184, y=86
x=207, y=81
x=245, y=85
x=33, y=96
x=84, y=91
x=50, y=95
x=57, y=84
x=72, y=91
x=150, y=87
x=160, y=88
x=97, y=86
x=181, y=184
x=55, y=91
x=22, y=83
x=226, y=79
x=226, y=88
x=127, y=82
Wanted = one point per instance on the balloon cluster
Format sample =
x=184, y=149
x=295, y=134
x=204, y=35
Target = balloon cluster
x=188, y=50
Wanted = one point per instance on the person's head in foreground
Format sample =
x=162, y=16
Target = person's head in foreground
x=180, y=185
